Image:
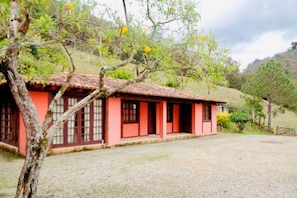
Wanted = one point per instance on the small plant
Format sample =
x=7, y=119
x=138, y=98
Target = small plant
x=121, y=73
x=223, y=119
x=240, y=118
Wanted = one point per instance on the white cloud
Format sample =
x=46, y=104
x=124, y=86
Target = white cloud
x=265, y=45
x=216, y=13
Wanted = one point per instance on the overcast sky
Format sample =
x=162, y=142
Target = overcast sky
x=252, y=29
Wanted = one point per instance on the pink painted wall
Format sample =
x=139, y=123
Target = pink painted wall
x=207, y=128
x=40, y=99
x=130, y=130
x=158, y=118
x=175, y=118
x=143, y=119
x=211, y=126
x=169, y=127
x=214, y=118
x=197, y=127
x=163, y=119
x=113, y=121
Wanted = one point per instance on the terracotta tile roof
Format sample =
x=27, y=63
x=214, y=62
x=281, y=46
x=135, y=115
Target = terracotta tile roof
x=85, y=81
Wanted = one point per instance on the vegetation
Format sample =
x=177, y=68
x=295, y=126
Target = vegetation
x=272, y=83
x=249, y=129
x=240, y=118
x=287, y=59
x=4, y=155
x=35, y=37
x=255, y=108
x=223, y=119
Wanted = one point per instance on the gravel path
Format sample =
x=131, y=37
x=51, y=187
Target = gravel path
x=213, y=166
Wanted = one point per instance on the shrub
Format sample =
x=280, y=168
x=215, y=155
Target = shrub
x=240, y=118
x=223, y=119
x=121, y=73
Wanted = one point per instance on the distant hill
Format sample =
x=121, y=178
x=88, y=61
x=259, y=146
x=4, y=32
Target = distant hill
x=288, y=59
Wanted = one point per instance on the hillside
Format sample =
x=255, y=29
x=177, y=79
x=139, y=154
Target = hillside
x=288, y=59
x=90, y=64
x=233, y=98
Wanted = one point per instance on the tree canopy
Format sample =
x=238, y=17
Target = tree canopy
x=271, y=83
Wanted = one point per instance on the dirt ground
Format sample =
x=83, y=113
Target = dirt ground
x=213, y=166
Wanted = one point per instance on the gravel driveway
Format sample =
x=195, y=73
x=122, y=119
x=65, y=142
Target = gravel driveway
x=213, y=166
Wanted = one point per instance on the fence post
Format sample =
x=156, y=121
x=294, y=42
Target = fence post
x=276, y=130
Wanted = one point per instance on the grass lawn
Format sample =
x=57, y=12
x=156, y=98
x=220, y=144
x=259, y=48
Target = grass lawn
x=250, y=129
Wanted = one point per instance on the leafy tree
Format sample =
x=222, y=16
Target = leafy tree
x=256, y=108
x=272, y=83
x=240, y=118
x=35, y=40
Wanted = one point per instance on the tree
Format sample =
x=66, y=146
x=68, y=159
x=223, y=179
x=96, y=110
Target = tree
x=37, y=41
x=271, y=83
x=240, y=118
x=255, y=107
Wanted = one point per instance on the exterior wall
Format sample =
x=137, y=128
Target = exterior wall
x=214, y=119
x=163, y=119
x=130, y=130
x=113, y=121
x=143, y=122
x=169, y=127
x=211, y=126
x=197, y=127
x=207, y=128
x=39, y=99
x=158, y=118
x=161, y=123
x=175, y=118
x=137, y=129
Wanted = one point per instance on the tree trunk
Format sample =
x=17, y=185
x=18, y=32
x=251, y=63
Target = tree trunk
x=269, y=108
x=36, y=139
x=29, y=177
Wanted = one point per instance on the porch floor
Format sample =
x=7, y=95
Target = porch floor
x=155, y=138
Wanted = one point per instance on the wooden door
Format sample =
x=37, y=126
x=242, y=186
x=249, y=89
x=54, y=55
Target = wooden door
x=186, y=118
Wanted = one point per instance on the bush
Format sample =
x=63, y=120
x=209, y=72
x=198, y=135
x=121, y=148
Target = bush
x=121, y=73
x=240, y=118
x=223, y=119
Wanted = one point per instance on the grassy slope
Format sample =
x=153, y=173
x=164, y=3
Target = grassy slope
x=90, y=64
x=233, y=97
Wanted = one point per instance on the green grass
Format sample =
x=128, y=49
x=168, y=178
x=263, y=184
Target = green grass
x=4, y=155
x=3, y=189
x=250, y=129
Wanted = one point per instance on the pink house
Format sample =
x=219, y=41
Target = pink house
x=139, y=110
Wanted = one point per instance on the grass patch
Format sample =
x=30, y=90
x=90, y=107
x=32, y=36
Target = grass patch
x=250, y=129
x=4, y=189
x=8, y=156
x=2, y=195
x=6, y=185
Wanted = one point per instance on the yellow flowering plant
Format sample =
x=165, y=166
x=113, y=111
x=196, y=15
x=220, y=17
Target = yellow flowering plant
x=147, y=50
x=69, y=6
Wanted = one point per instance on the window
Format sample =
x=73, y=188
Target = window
x=85, y=126
x=169, y=112
x=130, y=111
x=9, y=121
x=206, y=112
